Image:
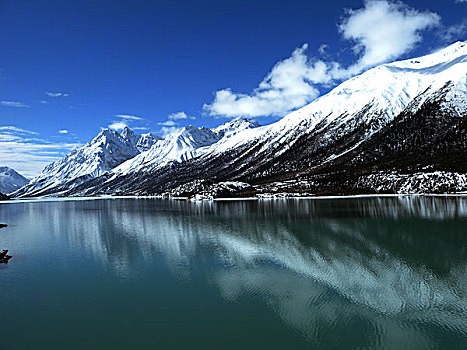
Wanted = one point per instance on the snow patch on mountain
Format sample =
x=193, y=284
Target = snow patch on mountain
x=417, y=183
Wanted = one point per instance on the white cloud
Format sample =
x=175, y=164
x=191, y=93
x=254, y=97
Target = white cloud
x=168, y=123
x=140, y=128
x=117, y=126
x=180, y=115
x=172, y=123
x=15, y=104
x=126, y=120
x=63, y=131
x=165, y=130
x=22, y=151
x=461, y=0
x=322, y=49
x=289, y=85
x=128, y=117
x=382, y=30
x=9, y=129
x=44, y=102
x=57, y=94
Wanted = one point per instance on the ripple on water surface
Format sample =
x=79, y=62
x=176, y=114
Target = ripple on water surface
x=375, y=273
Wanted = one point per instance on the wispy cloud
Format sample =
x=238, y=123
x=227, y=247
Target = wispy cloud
x=322, y=49
x=63, y=131
x=24, y=151
x=57, y=94
x=140, y=128
x=128, y=117
x=165, y=130
x=127, y=120
x=15, y=104
x=179, y=116
x=9, y=129
x=168, y=123
x=172, y=124
x=117, y=126
x=451, y=33
x=380, y=31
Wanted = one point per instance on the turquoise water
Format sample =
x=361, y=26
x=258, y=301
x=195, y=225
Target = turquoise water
x=361, y=273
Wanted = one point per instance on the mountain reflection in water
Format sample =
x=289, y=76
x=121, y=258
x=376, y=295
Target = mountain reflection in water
x=396, y=265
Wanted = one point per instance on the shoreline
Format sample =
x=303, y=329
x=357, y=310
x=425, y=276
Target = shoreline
x=279, y=196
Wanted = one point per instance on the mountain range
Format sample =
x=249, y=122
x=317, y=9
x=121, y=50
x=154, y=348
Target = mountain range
x=397, y=128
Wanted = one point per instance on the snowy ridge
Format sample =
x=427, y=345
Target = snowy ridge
x=386, y=89
x=10, y=180
x=185, y=144
x=106, y=151
x=235, y=126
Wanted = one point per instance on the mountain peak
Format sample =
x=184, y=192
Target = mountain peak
x=235, y=125
x=127, y=133
x=104, y=134
x=11, y=180
x=146, y=141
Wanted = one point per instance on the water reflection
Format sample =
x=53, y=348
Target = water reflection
x=393, y=265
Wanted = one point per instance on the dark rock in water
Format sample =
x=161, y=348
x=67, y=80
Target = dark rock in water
x=3, y=197
x=4, y=257
x=3, y=253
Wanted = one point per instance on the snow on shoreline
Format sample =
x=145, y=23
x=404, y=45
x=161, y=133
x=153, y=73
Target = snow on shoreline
x=275, y=197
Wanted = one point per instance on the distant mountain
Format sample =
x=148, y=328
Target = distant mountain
x=397, y=128
x=10, y=180
x=106, y=151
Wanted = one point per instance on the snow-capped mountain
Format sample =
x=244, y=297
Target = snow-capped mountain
x=182, y=145
x=385, y=130
x=10, y=180
x=371, y=100
x=178, y=146
x=338, y=134
x=106, y=151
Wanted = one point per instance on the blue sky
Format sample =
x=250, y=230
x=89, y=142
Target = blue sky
x=69, y=68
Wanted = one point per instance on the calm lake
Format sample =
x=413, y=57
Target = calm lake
x=359, y=273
